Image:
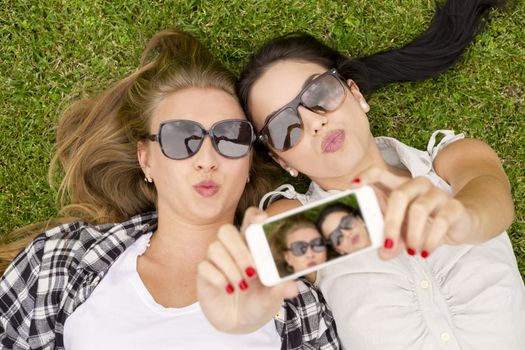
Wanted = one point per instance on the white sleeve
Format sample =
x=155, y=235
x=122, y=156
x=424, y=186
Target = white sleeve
x=448, y=137
x=286, y=191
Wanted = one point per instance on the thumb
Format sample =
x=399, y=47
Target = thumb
x=251, y=216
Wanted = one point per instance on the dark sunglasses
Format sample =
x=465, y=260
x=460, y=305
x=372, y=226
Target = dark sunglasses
x=335, y=238
x=180, y=139
x=299, y=248
x=284, y=128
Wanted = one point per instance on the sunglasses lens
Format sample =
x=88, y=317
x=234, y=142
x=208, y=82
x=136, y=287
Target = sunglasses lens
x=335, y=238
x=180, y=139
x=324, y=94
x=285, y=129
x=299, y=248
x=233, y=139
x=347, y=222
x=318, y=245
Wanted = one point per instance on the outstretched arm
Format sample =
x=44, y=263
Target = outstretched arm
x=420, y=216
x=480, y=184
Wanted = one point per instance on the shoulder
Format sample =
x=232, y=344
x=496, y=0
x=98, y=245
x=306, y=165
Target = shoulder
x=467, y=158
x=59, y=244
x=88, y=234
x=80, y=243
x=465, y=148
x=282, y=205
x=54, y=236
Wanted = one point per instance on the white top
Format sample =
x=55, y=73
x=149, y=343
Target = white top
x=122, y=314
x=460, y=297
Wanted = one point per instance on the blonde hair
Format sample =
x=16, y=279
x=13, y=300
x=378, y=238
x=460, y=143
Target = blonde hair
x=101, y=180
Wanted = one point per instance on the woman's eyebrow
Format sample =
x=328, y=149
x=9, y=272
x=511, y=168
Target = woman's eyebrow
x=306, y=82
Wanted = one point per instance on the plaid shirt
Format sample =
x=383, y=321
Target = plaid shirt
x=61, y=267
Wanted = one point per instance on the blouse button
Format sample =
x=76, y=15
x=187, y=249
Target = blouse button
x=445, y=336
x=424, y=284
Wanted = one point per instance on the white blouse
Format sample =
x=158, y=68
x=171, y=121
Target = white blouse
x=460, y=297
x=122, y=314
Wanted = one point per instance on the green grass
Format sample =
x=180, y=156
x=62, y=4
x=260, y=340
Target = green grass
x=54, y=52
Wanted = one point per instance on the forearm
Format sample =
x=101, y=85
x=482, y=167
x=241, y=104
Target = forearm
x=480, y=184
x=489, y=200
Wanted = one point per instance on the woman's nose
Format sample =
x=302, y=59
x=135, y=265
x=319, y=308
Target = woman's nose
x=313, y=122
x=206, y=158
x=309, y=252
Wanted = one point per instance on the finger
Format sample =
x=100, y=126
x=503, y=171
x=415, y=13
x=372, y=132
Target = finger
x=390, y=253
x=445, y=218
x=208, y=273
x=236, y=247
x=437, y=231
x=382, y=198
x=253, y=215
x=219, y=256
x=398, y=202
x=375, y=175
x=419, y=214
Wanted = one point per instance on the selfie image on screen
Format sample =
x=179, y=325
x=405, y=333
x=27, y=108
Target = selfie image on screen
x=319, y=234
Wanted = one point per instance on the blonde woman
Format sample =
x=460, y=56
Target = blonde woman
x=153, y=167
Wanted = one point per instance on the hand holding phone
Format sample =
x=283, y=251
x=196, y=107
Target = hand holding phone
x=230, y=293
x=303, y=240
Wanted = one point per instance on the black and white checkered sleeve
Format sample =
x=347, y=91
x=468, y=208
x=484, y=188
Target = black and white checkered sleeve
x=18, y=289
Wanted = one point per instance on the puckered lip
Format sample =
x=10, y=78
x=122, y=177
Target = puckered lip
x=333, y=141
x=207, y=188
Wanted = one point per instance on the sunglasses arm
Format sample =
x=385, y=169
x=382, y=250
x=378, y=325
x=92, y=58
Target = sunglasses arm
x=154, y=138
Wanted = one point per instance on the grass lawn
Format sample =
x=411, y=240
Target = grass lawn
x=54, y=52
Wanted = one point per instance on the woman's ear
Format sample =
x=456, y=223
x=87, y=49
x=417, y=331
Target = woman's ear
x=143, y=158
x=354, y=89
x=287, y=258
x=293, y=172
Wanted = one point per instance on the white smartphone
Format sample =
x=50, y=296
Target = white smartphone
x=305, y=239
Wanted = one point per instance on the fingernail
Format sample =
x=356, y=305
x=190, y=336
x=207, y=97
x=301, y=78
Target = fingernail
x=243, y=285
x=356, y=180
x=229, y=288
x=411, y=251
x=424, y=254
x=389, y=243
x=250, y=272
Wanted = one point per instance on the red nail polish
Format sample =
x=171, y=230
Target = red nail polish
x=356, y=180
x=250, y=272
x=389, y=243
x=424, y=254
x=229, y=288
x=243, y=285
x=411, y=251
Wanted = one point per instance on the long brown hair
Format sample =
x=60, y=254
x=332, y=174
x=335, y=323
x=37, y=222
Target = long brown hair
x=95, y=164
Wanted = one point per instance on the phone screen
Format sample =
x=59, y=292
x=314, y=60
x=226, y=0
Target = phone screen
x=317, y=235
